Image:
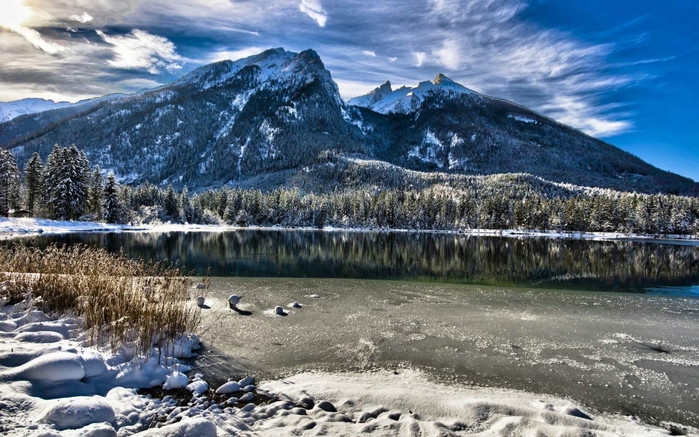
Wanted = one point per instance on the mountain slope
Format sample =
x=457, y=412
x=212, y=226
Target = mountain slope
x=469, y=133
x=256, y=118
x=221, y=122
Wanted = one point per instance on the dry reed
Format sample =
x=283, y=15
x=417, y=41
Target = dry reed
x=123, y=302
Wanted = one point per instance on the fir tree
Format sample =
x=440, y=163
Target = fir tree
x=113, y=208
x=96, y=199
x=9, y=182
x=66, y=183
x=33, y=175
x=171, y=203
x=186, y=208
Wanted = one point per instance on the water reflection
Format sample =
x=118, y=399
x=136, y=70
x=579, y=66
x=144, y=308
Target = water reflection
x=576, y=264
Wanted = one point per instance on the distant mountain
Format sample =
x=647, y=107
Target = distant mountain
x=407, y=99
x=260, y=119
x=10, y=110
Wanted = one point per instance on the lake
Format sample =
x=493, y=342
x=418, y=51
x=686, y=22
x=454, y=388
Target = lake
x=625, y=266
x=611, y=324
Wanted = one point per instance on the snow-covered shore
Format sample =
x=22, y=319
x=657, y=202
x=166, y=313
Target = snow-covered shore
x=51, y=385
x=26, y=227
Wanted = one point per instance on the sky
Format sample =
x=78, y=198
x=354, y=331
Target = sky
x=622, y=71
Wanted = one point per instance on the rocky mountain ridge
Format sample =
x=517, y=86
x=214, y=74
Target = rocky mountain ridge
x=276, y=113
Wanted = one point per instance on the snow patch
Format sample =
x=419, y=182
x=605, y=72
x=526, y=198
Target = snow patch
x=522, y=118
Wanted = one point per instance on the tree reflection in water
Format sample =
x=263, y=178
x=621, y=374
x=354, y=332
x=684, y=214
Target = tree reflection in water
x=556, y=263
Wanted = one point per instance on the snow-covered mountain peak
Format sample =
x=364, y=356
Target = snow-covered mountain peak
x=274, y=63
x=406, y=99
x=10, y=110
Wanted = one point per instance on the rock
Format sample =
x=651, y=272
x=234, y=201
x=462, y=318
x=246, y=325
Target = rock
x=296, y=305
x=247, y=397
x=78, y=412
x=229, y=387
x=307, y=402
x=326, y=406
x=201, y=300
x=246, y=381
x=576, y=412
x=233, y=299
x=279, y=310
x=201, y=286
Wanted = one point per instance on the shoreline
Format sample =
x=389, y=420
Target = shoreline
x=12, y=228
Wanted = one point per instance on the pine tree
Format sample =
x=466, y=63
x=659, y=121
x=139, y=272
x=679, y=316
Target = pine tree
x=186, y=208
x=96, y=199
x=33, y=176
x=113, y=208
x=66, y=183
x=9, y=182
x=171, y=203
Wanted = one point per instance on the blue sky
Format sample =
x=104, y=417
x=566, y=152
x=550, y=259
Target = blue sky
x=619, y=70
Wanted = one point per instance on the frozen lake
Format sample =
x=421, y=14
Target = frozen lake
x=625, y=353
x=612, y=324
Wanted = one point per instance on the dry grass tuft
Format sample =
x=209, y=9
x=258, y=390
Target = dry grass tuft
x=123, y=302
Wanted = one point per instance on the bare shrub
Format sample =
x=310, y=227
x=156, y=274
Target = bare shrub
x=122, y=301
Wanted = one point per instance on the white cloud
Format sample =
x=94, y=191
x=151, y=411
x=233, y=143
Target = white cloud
x=84, y=18
x=577, y=111
x=315, y=10
x=449, y=56
x=420, y=58
x=369, y=53
x=234, y=55
x=140, y=50
x=351, y=88
x=393, y=58
x=36, y=40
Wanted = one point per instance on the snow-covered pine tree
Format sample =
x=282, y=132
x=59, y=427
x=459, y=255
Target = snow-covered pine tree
x=33, y=175
x=171, y=203
x=66, y=183
x=9, y=182
x=95, y=198
x=186, y=208
x=113, y=208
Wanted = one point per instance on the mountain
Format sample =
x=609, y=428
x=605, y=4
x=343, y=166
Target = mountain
x=266, y=119
x=220, y=123
x=448, y=128
x=405, y=99
x=10, y=110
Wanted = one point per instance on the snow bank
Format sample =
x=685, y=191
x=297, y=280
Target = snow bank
x=385, y=404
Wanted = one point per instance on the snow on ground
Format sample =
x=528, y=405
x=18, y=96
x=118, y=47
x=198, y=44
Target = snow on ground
x=24, y=227
x=52, y=386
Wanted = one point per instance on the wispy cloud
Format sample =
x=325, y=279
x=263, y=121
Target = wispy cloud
x=234, y=55
x=35, y=38
x=487, y=45
x=84, y=18
x=314, y=9
x=449, y=55
x=142, y=50
x=420, y=58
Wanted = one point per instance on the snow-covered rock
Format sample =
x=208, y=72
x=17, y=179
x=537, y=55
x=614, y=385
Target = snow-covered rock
x=405, y=99
x=79, y=411
x=175, y=380
x=229, y=387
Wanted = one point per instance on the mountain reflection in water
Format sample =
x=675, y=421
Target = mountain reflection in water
x=629, y=266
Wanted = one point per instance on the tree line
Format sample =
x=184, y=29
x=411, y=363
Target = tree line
x=66, y=187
